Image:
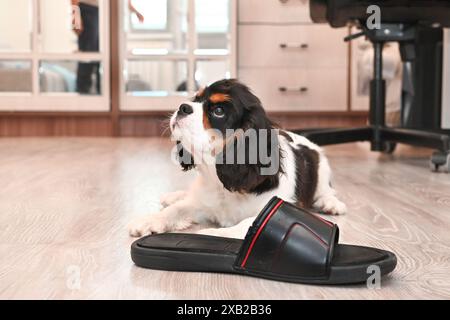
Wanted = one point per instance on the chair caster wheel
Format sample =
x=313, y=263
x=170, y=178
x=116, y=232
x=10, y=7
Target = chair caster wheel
x=389, y=147
x=440, y=161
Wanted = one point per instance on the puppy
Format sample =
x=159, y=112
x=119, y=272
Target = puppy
x=238, y=173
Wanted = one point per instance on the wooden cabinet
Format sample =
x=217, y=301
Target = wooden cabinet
x=45, y=66
x=164, y=66
x=303, y=46
x=289, y=62
x=274, y=11
x=298, y=89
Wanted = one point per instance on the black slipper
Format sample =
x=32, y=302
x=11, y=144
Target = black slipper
x=285, y=243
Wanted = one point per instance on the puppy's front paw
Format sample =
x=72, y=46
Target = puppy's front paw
x=147, y=225
x=170, y=198
x=331, y=205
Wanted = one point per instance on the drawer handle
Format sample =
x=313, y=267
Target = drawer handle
x=294, y=46
x=286, y=89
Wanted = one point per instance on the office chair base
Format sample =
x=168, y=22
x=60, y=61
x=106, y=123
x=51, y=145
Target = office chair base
x=390, y=147
x=440, y=161
x=384, y=139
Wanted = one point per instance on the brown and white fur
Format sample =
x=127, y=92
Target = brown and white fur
x=232, y=195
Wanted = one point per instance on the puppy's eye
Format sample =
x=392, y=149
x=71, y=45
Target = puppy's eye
x=219, y=112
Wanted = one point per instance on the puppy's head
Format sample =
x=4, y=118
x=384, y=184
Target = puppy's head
x=227, y=120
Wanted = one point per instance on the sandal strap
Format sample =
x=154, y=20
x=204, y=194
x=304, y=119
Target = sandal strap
x=288, y=241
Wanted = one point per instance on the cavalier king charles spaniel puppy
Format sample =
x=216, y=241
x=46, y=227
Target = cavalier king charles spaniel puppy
x=242, y=160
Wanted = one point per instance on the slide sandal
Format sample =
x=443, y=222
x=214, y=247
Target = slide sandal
x=285, y=243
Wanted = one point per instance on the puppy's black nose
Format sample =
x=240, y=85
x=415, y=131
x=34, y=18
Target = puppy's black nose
x=185, y=110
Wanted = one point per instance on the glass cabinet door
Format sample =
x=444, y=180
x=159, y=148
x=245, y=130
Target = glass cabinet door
x=169, y=49
x=57, y=58
x=56, y=34
x=15, y=71
x=15, y=76
x=157, y=26
x=15, y=26
x=213, y=26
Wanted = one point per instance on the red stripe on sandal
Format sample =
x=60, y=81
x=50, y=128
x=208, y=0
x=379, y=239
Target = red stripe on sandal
x=272, y=212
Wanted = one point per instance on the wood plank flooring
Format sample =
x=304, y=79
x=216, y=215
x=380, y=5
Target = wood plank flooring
x=64, y=205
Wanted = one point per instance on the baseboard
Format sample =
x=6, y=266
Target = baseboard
x=148, y=125
x=51, y=126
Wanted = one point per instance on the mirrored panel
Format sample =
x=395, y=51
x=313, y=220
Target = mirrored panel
x=156, y=27
x=64, y=30
x=213, y=20
x=70, y=77
x=210, y=71
x=156, y=78
x=15, y=76
x=15, y=26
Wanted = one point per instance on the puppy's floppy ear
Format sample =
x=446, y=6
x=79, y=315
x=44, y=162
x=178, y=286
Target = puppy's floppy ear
x=184, y=157
x=258, y=146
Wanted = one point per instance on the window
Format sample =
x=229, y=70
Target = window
x=45, y=65
x=212, y=16
x=15, y=16
x=170, y=56
x=15, y=76
x=156, y=15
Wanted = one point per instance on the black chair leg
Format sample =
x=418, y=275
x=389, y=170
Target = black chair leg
x=336, y=136
x=431, y=140
x=384, y=139
x=380, y=137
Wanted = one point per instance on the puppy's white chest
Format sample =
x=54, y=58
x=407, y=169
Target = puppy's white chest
x=231, y=208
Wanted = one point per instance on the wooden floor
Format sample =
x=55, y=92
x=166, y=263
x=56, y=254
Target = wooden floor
x=64, y=205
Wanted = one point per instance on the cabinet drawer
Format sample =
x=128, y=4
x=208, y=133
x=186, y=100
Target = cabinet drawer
x=284, y=89
x=292, y=46
x=274, y=11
